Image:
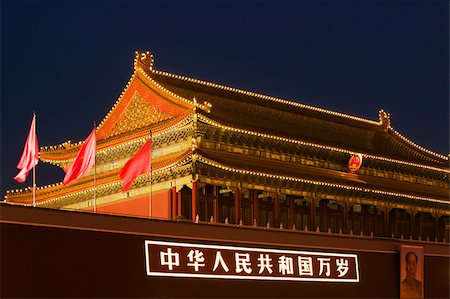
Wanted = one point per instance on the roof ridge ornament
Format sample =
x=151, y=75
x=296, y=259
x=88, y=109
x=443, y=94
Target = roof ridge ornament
x=206, y=106
x=143, y=60
x=385, y=120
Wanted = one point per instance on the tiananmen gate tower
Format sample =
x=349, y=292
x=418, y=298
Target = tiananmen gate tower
x=248, y=196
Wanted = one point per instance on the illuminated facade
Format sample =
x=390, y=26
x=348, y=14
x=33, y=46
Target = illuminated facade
x=251, y=196
x=224, y=155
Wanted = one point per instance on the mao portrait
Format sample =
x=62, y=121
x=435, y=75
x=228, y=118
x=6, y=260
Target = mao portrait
x=411, y=268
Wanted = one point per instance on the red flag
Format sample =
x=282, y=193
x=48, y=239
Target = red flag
x=140, y=163
x=30, y=155
x=84, y=161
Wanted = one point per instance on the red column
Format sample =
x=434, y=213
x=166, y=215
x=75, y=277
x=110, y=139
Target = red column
x=325, y=220
x=216, y=203
x=194, y=200
x=237, y=206
x=386, y=222
x=365, y=221
x=255, y=207
x=291, y=217
x=179, y=203
x=312, y=215
x=413, y=225
x=437, y=230
x=276, y=210
x=174, y=202
x=345, y=218
x=393, y=219
x=417, y=219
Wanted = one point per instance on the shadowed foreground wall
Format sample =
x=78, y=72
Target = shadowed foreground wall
x=70, y=254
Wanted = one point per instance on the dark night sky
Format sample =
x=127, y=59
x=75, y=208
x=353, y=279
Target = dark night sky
x=70, y=60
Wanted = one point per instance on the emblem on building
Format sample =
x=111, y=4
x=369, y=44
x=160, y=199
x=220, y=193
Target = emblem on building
x=354, y=163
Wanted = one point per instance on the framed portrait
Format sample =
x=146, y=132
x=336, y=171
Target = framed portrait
x=411, y=271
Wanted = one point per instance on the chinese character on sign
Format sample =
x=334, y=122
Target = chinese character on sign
x=243, y=262
x=342, y=265
x=305, y=266
x=285, y=265
x=196, y=259
x=169, y=259
x=265, y=263
x=324, y=263
x=219, y=259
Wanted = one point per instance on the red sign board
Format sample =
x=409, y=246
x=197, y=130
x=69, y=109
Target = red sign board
x=232, y=262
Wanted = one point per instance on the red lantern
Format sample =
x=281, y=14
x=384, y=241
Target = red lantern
x=354, y=163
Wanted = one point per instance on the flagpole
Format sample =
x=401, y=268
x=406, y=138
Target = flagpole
x=34, y=186
x=34, y=166
x=95, y=173
x=151, y=175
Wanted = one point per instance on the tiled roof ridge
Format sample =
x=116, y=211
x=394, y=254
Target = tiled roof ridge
x=381, y=123
x=264, y=97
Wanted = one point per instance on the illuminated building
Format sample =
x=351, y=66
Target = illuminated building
x=255, y=164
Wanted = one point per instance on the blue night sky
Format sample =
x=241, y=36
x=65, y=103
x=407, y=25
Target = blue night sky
x=70, y=60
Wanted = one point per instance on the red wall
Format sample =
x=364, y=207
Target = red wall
x=139, y=206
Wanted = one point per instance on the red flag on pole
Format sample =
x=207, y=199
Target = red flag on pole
x=140, y=163
x=84, y=161
x=30, y=155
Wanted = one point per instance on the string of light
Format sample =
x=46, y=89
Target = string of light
x=183, y=123
x=206, y=120
x=115, y=184
x=207, y=106
x=216, y=124
x=296, y=104
x=265, y=97
x=318, y=183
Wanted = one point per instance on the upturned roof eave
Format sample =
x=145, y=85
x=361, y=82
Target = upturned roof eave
x=68, y=151
x=143, y=70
